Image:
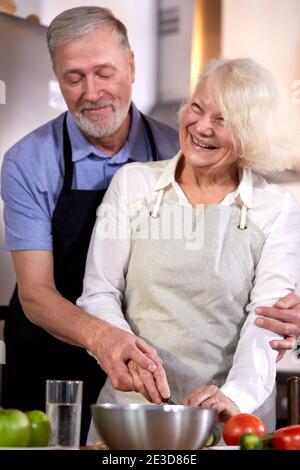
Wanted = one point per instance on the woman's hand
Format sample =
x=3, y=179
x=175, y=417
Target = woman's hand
x=210, y=396
x=283, y=318
x=154, y=386
x=116, y=348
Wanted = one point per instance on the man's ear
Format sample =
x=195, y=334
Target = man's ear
x=132, y=65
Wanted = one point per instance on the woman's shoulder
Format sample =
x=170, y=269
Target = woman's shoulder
x=132, y=173
x=145, y=167
x=271, y=198
x=264, y=184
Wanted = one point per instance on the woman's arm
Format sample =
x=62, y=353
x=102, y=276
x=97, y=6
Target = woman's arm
x=252, y=376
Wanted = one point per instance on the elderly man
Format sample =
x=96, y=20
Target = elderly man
x=52, y=183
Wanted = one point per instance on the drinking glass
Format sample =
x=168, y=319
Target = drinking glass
x=63, y=407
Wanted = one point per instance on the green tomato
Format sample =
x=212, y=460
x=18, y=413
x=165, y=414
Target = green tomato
x=40, y=428
x=14, y=428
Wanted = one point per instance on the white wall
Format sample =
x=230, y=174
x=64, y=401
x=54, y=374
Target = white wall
x=28, y=7
x=266, y=30
x=140, y=18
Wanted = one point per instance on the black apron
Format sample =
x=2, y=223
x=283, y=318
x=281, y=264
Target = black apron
x=33, y=355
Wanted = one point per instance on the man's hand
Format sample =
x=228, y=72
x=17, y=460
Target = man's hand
x=117, y=350
x=283, y=318
x=210, y=396
x=154, y=386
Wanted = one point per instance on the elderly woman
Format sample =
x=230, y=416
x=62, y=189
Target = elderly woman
x=183, y=251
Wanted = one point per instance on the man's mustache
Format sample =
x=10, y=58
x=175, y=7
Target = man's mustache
x=87, y=105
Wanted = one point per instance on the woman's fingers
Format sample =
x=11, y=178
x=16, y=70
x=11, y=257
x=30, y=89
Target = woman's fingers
x=161, y=380
x=138, y=383
x=199, y=395
x=210, y=396
x=154, y=386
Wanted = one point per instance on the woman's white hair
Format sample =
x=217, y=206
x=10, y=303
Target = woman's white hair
x=256, y=111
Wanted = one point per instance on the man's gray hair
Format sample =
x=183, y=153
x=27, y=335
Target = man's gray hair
x=78, y=22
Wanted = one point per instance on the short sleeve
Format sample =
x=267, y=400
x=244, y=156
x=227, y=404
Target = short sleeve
x=26, y=210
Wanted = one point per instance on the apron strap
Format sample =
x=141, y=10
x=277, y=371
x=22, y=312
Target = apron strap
x=154, y=213
x=243, y=218
x=68, y=177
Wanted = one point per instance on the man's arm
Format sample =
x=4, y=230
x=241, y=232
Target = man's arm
x=283, y=318
x=44, y=306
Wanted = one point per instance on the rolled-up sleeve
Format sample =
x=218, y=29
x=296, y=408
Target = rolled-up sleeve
x=252, y=376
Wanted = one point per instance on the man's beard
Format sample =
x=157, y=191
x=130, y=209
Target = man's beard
x=99, y=127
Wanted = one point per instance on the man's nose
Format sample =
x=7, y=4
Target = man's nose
x=91, y=89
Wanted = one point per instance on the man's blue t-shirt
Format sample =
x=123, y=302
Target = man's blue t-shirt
x=33, y=171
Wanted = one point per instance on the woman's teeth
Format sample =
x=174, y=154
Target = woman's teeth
x=202, y=145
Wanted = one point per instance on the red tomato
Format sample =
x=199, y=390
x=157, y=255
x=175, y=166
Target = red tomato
x=287, y=438
x=241, y=424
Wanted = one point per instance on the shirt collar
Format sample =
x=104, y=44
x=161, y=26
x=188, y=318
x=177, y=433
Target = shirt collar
x=245, y=188
x=244, y=191
x=168, y=175
x=133, y=149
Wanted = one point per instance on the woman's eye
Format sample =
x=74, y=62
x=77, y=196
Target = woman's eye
x=196, y=108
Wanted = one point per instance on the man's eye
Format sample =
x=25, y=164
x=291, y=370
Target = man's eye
x=73, y=79
x=105, y=73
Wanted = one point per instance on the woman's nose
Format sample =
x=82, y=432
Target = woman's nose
x=204, y=126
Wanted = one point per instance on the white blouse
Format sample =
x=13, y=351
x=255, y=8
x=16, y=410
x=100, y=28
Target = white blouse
x=271, y=208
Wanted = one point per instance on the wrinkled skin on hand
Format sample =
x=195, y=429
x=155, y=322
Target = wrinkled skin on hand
x=154, y=386
x=131, y=364
x=283, y=318
x=210, y=396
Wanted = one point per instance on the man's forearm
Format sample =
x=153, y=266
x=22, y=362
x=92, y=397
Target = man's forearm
x=111, y=346
x=46, y=308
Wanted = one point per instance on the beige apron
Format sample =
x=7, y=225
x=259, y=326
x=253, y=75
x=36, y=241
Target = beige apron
x=189, y=301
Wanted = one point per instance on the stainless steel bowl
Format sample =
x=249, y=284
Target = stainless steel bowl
x=150, y=427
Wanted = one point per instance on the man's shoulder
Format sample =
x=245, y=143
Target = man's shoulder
x=162, y=126
x=166, y=138
x=37, y=140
